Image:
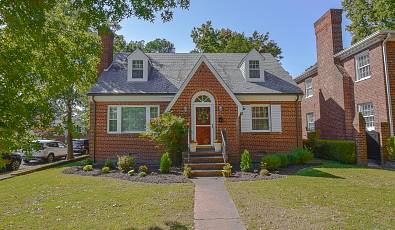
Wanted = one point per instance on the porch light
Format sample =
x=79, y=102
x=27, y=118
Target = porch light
x=220, y=108
x=185, y=109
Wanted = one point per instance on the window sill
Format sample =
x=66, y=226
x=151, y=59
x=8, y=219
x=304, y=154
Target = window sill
x=362, y=79
x=135, y=132
x=370, y=129
x=259, y=131
x=308, y=96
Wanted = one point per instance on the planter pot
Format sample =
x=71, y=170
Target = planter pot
x=217, y=147
x=192, y=147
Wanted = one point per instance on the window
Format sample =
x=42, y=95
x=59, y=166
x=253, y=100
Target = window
x=202, y=98
x=260, y=118
x=254, y=69
x=310, y=122
x=362, y=66
x=137, y=69
x=309, y=87
x=368, y=114
x=130, y=119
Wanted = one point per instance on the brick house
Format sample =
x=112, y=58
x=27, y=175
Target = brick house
x=247, y=94
x=344, y=82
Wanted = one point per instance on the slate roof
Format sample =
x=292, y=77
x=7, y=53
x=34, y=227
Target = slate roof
x=169, y=70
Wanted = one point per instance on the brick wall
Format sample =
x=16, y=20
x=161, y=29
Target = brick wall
x=391, y=72
x=107, y=40
x=310, y=104
x=361, y=143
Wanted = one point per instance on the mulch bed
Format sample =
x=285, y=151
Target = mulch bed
x=283, y=172
x=175, y=176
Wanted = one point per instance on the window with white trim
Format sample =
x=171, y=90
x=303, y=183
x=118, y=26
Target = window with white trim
x=368, y=114
x=137, y=69
x=260, y=118
x=309, y=87
x=130, y=119
x=362, y=63
x=254, y=69
x=310, y=122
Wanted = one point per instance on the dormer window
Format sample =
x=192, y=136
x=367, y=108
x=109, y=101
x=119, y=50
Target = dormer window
x=137, y=69
x=254, y=69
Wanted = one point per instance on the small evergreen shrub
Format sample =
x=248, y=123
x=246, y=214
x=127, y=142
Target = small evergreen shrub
x=284, y=160
x=142, y=174
x=187, y=171
x=272, y=161
x=391, y=148
x=143, y=168
x=109, y=163
x=87, y=168
x=227, y=170
x=125, y=163
x=338, y=150
x=87, y=161
x=105, y=169
x=131, y=172
x=246, y=161
x=165, y=163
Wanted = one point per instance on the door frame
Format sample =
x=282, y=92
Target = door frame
x=210, y=105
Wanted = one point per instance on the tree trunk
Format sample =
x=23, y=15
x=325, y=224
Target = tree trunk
x=69, y=108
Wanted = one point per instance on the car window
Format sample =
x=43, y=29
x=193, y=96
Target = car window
x=61, y=145
x=52, y=144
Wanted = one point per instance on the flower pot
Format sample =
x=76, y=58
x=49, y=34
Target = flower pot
x=192, y=147
x=217, y=147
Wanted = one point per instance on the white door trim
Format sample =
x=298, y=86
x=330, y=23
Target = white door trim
x=211, y=105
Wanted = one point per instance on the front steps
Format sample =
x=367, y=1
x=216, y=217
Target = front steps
x=205, y=162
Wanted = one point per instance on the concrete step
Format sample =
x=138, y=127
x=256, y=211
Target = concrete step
x=206, y=173
x=209, y=166
x=205, y=154
x=205, y=159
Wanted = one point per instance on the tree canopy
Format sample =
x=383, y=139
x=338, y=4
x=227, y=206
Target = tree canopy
x=210, y=40
x=158, y=45
x=368, y=16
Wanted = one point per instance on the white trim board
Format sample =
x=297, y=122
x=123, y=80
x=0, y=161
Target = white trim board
x=217, y=76
x=263, y=97
x=133, y=98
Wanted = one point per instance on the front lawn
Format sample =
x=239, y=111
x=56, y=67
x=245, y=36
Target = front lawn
x=330, y=196
x=52, y=200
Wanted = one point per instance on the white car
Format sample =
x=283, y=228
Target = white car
x=49, y=151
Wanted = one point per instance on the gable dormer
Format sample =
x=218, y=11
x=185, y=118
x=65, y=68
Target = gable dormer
x=138, y=66
x=252, y=67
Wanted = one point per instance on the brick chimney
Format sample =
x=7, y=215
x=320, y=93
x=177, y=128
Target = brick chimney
x=107, y=40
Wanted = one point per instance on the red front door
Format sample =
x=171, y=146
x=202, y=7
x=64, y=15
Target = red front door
x=203, y=126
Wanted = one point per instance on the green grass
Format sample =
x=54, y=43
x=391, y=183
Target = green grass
x=333, y=196
x=52, y=200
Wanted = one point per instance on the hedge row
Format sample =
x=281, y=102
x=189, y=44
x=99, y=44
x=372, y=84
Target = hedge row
x=280, y=160
x=338, y=150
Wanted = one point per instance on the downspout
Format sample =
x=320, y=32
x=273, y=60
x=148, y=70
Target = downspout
x=94, y=129
x=297, y=120
x=387, y=81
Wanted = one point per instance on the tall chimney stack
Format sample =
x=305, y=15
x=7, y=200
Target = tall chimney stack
x=107, y=41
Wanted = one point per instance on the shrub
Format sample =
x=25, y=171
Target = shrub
x=272, y=161
x=142, y=174
x=109, y=163
x=131, y=172
x=165, y=163
x=227, y=170
x=87, y=168
x=302, y=155
x=264, y=172
x=187, y=171
x=338, y=150
x=125, y=163
x=246, y=161
x=87, y=161
x=105, y=169
x=391, y=148
x=292, y=159
x=284, y=159
x=143, y=168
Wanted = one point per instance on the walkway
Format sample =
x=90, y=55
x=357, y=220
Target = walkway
x=214, y=208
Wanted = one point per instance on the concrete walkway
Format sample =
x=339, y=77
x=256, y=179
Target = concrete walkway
x=214, y=208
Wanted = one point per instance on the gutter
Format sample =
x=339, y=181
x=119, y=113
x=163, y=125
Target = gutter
x=94, y=129
x=390, y=120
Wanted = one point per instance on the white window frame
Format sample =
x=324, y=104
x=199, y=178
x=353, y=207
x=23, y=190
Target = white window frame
x=308, y=123
x=269, y=118
x=138, y=68
x=360, y=107
x=119, y=117
x=357, y=75
x=310, y=80
x=256, y=67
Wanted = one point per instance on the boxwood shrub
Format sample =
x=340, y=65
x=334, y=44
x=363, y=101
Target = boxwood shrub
x=338, y=150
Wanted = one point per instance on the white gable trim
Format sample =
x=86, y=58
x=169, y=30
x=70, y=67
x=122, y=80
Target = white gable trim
x=203, y=59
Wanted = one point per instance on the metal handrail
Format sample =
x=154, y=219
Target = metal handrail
x=223, y=149
x=189, y=142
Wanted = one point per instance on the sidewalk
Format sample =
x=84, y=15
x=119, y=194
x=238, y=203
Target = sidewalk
x=214, y=208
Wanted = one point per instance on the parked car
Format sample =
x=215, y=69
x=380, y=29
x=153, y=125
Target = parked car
x=49, y=151
x=11, y=161
x=80, y=146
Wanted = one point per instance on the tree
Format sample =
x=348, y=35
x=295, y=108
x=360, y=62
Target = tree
x=368, y=16
x=210, y=40
x=119, y=43
x=159, y=45
x=49, y=54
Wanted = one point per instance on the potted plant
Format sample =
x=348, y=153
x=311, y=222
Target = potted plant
x=192, y=146
x=217, y=145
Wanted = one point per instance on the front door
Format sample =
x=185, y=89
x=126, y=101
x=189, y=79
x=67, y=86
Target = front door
x=203, y=125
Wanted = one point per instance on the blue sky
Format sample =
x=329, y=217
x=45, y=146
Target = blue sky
x=289, y=22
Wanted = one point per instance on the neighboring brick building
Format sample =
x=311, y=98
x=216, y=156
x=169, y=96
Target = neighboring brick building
x=344, y=82
x=249, y=95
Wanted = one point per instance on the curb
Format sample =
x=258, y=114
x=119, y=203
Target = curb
x=42, y=167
